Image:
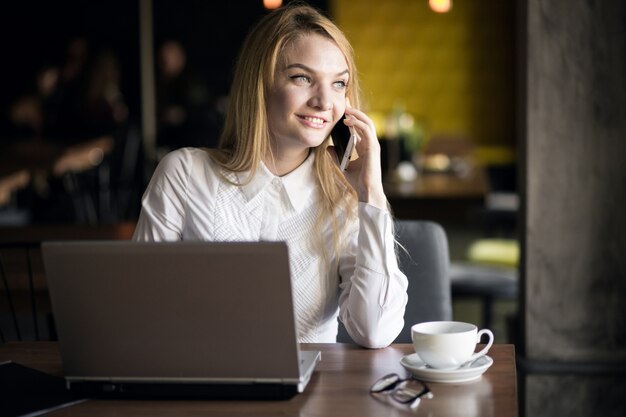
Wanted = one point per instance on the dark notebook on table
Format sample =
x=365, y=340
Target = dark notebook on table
x=184, y=319
x=28, y=392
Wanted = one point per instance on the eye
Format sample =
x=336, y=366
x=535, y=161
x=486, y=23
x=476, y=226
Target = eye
x=301, y=79
x=340, y=84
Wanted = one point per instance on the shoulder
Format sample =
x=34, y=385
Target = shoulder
x=186, y=157
x=185, y=161
x=185, y=168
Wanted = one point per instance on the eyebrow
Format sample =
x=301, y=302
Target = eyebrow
x=309, y=69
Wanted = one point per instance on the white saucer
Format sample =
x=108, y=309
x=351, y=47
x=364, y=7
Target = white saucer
x=421, y=371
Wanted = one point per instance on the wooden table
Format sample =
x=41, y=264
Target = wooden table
x=47, y=156
x=38, y=161
x=437, y=196
x=339, y=387
x=442, y=185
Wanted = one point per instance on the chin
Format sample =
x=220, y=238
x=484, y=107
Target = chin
x=315, y=142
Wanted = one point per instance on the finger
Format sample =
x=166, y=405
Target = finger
x=363, y=131
x=365, y=125
x=359, y=120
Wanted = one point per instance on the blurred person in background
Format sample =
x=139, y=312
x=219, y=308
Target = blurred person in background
x=27, y=114
x=186, y=113
x=102, y=109
x=183, y=102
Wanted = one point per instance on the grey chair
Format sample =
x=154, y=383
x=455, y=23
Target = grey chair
x=487, y=283
x=425, y=261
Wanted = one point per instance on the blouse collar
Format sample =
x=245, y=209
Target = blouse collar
x=298, y=185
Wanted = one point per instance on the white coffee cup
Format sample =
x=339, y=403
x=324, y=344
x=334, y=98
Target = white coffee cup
x=448, y=344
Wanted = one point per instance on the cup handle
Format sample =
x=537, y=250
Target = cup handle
x=486, y=348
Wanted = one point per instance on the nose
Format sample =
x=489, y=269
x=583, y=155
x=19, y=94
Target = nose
x=321, y=99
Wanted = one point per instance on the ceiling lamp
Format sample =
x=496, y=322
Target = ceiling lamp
x=272, y=4
x=440, y=6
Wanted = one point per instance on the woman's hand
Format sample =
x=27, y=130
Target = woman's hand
x=365, y=173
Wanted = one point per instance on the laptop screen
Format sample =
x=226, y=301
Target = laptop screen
x=187, y=311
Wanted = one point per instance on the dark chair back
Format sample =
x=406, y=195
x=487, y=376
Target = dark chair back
x=24, y=301
x=425, y=260
x=25, y=310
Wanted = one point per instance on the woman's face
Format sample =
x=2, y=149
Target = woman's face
x=309, y=94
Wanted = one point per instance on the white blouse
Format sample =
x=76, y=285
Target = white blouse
x=190, y=198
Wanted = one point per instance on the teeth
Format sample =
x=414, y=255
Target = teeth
x=314, y=119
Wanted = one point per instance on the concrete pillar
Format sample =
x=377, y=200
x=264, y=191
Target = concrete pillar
x=574, y=249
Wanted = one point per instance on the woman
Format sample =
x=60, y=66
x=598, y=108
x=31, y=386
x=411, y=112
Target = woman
x=274, y=177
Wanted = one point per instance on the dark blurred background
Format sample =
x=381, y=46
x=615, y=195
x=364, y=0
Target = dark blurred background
x=71, y=102
x=503, y=120
x=38, y=35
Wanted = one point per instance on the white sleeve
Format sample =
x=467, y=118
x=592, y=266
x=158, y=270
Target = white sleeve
x=163, y=203
x=373, y=290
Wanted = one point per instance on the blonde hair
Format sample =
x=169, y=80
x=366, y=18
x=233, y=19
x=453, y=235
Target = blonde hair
x=245, y=140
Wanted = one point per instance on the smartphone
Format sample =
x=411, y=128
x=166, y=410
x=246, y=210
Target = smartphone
x=344, y=140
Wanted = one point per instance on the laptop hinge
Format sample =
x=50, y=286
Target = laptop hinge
x=273, y=381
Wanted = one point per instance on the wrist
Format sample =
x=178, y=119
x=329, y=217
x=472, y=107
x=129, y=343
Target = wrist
x=373, y=197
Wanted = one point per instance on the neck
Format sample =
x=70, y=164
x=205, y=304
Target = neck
x=282, y=163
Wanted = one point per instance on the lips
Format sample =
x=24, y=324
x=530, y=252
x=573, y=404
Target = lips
x=313, y=120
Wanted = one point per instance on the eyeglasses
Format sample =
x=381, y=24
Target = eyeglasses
x=403, y=390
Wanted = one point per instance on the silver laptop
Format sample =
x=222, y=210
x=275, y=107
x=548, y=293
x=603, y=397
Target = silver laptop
x=201, y=319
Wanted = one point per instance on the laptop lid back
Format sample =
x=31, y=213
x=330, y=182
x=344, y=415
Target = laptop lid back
x=217, y=312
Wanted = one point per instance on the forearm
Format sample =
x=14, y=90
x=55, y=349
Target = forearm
x=374, y=298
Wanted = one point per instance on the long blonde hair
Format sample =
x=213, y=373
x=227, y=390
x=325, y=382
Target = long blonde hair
x=245, y=140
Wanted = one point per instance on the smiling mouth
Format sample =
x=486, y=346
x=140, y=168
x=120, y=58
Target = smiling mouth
x=318, y=121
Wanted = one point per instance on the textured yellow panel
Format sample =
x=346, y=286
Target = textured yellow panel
x=453, y=71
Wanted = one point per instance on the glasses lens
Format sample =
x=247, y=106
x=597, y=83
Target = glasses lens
x=409, y=391
x=385, y=383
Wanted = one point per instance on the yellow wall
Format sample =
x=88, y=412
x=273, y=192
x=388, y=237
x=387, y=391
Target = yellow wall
x=452, y=71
